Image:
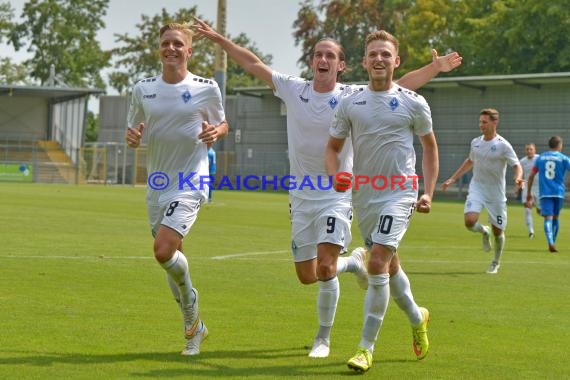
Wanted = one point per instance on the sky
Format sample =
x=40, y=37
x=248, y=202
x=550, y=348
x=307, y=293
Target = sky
x=268, y=23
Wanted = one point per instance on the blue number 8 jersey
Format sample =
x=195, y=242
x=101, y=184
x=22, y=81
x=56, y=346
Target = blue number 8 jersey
x=552, y=167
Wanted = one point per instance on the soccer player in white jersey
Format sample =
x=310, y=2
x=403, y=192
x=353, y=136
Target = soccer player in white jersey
x=320, y=219
x=488, y=157
x=181, y=114
x=381, y=122
x=527, y=163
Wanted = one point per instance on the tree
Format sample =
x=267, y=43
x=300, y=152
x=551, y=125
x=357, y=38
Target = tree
x=348, y=22
x=10, y=72
x=426, y=26
x=92, y=127
x=514, y=36
x=6, y=16
x=63, y=33
x=13, y=73
x=137, y=57
x=494, y=36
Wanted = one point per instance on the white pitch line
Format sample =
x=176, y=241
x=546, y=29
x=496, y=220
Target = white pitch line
x=250, y=254
x=245, y=254
x=77, y=257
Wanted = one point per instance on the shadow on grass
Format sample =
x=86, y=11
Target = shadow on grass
x=212, y=364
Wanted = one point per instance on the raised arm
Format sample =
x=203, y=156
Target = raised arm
x=417, y=78
x=464, y=168
x=244, y=57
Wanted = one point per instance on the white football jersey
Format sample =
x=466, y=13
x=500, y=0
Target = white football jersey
x=527, y=165
x=173, y=115
x=382, y=125
x=309, y=115
x=490, y=159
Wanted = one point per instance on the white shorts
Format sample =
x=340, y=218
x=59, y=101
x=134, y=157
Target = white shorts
x=178, y=214
x=497, y=210
x=386, y=222
x=318, y=221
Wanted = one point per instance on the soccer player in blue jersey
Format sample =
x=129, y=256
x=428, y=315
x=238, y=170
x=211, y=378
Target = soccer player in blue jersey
x=212, y=166
x=551, y=167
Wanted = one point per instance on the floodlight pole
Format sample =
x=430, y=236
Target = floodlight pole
x=221, y=63
x=221, y=56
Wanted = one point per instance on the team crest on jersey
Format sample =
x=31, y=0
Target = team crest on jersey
x=493, y=148
x=186, y=96
x=333, y=102
x=394, y=104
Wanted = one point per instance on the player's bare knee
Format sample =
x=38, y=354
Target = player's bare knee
x=326, y=270
x=307, y=279
x=163, y=252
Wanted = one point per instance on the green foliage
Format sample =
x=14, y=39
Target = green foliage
x=92, y=127
x=137, y=57
x=426, y=26
x=236, y=76
x=6, y=16
x=63, y=33
x=514, y=36
x=348, y=22
x=85, y=299
x=494, y=36
x=13, y=73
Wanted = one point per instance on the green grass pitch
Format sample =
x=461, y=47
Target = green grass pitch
x=82, y=298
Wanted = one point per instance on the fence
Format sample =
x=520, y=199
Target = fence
x=115, y=163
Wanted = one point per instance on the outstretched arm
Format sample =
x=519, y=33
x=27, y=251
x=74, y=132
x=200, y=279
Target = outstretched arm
x=417, y=78
x=244, y=57
x=464, y=168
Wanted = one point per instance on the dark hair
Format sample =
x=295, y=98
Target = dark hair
x=341, y=54
x=554, y=142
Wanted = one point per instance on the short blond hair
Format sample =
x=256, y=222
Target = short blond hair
x=381, y=35
x=184, y=28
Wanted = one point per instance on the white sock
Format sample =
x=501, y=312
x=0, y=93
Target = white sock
x=327, y=300
x=528, y=220
x=375, y=306
x=402, y=294
x=342, y=264
x=499, y=245
x=177, y=269
x=477, y=227
x=173, y=287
